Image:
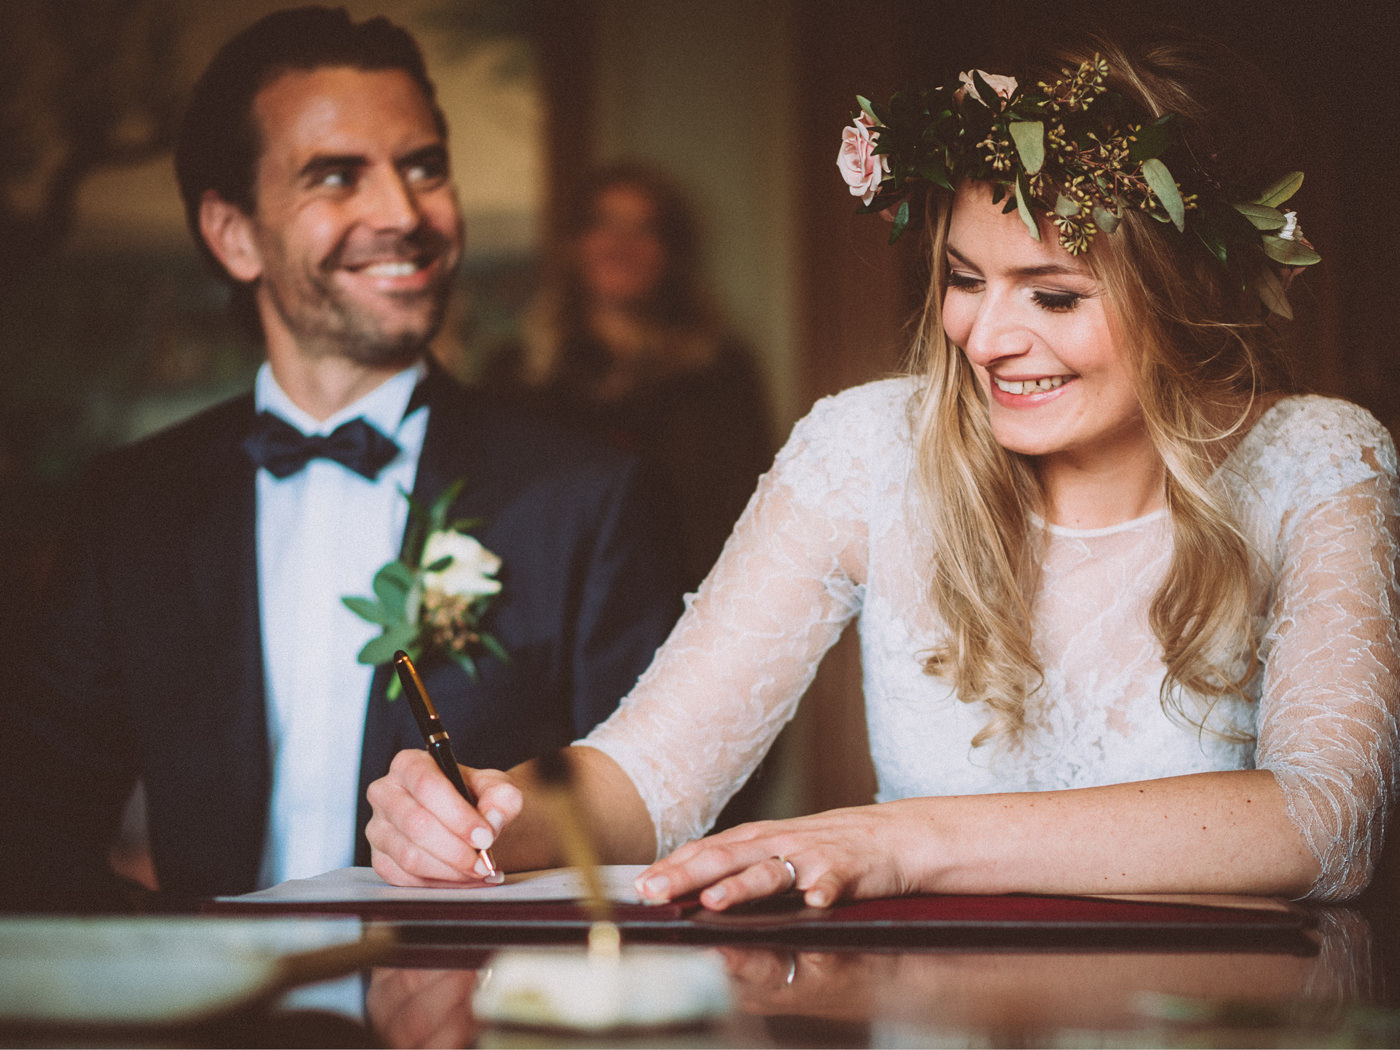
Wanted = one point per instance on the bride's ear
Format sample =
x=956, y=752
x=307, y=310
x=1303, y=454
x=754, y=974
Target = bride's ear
x=228, y=231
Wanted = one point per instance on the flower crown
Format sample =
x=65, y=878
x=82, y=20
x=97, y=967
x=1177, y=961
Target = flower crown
x=1071, y=149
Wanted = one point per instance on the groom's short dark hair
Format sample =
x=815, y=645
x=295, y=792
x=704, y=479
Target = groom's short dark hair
x=218, y=146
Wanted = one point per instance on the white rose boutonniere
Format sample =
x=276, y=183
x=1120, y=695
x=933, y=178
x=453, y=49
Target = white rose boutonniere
x=434, y=598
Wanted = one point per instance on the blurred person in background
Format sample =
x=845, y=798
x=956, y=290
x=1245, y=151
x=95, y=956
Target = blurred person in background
x=624, y=342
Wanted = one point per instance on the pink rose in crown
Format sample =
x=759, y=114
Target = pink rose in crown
x=1004, y=86
x=859, y=165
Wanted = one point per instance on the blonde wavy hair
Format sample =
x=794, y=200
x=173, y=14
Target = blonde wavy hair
x=1205, y=361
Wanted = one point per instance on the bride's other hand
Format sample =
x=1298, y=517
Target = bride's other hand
x=858, y=852
x=423, y=833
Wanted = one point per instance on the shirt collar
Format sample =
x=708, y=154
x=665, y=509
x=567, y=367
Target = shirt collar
x=384, y=406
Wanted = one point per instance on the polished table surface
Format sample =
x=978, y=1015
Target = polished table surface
x=1339, y=988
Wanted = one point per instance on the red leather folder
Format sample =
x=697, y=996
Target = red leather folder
x=1029, y=920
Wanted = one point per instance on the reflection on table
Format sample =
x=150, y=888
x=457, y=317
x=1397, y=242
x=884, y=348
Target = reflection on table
x=1338, y=987
x=1338, y=994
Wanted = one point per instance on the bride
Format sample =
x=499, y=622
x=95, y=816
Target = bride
x=1127, y=611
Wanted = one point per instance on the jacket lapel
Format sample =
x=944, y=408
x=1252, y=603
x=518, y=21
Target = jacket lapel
x=389, y=725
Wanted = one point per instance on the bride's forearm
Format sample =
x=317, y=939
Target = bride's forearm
x=1206, y=832
x=599, y=794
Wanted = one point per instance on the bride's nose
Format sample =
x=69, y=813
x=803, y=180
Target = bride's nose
x=995, y=334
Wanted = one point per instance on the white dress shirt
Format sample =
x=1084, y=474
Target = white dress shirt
x=323, y=533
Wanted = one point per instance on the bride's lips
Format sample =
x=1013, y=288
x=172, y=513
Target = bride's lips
x=1026, y=391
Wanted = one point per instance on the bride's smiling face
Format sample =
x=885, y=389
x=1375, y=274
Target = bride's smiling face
x=1035, y=325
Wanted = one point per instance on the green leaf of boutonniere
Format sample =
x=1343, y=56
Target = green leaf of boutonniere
x=435, y=608
x=437, y=514
x=382, y=649
x=392, y=584
x=495, y=648
x=372, y=611
x=467, y=664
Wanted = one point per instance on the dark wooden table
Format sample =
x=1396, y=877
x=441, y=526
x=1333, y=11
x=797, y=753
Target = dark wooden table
x=1338, y=988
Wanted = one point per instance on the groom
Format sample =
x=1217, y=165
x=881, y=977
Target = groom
x=194, y=636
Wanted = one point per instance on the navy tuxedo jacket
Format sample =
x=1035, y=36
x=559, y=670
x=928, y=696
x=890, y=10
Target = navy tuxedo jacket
x=148, y=662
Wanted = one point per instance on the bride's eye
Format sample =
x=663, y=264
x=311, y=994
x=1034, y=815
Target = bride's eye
x=963, y=282
x=1056, y=302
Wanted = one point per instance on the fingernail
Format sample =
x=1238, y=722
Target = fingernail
x=496, y=879
x=481, y=838
x=481, y=869
x=496, y=819
x=656, y=888
x=714, y=895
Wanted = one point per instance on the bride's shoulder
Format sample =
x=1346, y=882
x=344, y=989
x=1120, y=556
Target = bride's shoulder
x=862, y=431
x=883, y=404
x=1311, y=435
x=1312, y=420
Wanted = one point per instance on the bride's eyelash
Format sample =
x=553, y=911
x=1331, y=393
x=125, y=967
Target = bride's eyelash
x=1053, y=302
x=1056, y=302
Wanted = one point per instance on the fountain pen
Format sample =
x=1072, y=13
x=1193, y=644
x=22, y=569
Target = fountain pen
x=434, y=735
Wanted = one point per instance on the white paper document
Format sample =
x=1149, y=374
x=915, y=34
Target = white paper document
x=363, y=886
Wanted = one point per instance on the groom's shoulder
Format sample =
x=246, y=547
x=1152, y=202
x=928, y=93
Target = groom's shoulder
x=513, y=437
x=206, y=442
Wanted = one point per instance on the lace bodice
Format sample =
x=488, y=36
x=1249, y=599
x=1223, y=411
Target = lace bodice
x=831, y=534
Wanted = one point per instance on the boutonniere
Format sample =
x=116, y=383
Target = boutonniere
x=432, y=600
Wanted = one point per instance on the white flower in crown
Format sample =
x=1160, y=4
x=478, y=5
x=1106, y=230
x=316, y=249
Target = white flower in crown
x=1004, y=86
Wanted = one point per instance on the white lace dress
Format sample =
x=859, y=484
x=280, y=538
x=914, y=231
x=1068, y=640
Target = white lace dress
x=830, y=534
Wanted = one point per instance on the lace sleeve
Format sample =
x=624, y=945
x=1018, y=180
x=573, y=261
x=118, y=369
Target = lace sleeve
x=732, y=672
x=1327, y=727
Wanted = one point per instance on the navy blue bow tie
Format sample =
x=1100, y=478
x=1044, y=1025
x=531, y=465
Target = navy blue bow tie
x=275, y=444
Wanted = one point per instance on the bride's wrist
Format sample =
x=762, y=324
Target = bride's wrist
x=929, y=851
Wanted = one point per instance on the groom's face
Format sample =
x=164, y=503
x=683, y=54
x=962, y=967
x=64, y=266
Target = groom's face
x=355, y=232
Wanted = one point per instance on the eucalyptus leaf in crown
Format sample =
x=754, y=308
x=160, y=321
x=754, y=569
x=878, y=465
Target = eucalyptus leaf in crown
x=1072, y=150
